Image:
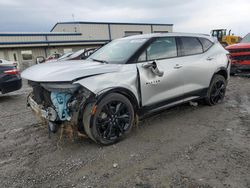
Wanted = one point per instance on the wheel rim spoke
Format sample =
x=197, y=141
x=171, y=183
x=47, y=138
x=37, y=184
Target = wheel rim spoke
x=218, y=92
x=116, y=122
x=119, y=108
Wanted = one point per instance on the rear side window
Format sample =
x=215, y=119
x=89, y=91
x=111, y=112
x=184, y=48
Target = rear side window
x=205, y=43
x=191, y=46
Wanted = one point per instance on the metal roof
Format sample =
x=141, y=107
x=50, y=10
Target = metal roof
x=112, y=23
x=15, y=34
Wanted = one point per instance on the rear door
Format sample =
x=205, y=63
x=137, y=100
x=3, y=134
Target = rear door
x=161, y=79
x=196, y=63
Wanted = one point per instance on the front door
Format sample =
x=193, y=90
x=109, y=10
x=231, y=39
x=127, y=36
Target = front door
x=160, y=74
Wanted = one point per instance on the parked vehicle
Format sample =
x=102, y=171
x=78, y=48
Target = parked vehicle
x=128, y=78
x=6, y=62
x=240, y=55
x=10, y=79
x=63, y=57
x=80, y=54
x=41, y=59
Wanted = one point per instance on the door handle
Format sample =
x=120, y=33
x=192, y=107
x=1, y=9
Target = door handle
x=210, y=58
x=177, y=66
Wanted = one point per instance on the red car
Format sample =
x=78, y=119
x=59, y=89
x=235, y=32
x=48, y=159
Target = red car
x=240, y=55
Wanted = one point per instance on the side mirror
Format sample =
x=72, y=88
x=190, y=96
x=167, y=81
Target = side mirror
x=40, y=59
x=154, y=68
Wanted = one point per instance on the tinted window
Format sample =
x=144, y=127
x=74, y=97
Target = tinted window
x=159, y=49
x=205, y=43
x=191, y=46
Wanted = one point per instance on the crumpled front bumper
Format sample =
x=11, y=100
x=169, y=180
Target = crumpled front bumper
x=38, y=109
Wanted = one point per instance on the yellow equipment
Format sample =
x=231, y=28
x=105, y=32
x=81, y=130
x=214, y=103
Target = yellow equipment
x=223, y=38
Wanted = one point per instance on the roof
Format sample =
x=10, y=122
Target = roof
x=113, y=23
x=173, y=34
x=15, y=34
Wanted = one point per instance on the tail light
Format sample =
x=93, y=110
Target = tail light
x=229, y=57
x=12, y=72
x=229, y=60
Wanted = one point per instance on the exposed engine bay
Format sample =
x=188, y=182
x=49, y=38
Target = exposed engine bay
x=58, y=103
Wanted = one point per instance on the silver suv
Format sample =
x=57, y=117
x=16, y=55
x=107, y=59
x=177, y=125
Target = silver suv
x=127, y=79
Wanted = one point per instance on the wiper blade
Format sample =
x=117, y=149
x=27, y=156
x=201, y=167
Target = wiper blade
x=101, y=61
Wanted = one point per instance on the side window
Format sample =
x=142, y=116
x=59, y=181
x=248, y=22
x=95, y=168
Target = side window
x=161, y=48
x=191, y=46
x=205, y=43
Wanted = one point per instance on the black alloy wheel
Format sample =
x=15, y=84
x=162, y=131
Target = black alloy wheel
x=217, y=90
x=112, y=120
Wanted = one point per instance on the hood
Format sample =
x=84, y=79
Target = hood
x=66, y=71
x=238, y=46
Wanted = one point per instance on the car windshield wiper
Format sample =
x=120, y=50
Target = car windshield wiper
x=101, y=61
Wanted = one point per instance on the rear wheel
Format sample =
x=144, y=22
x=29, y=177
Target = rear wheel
x=216, y=91
x=111, y=119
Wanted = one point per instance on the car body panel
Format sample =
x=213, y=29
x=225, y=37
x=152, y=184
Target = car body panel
x=123, y=76
x=199, y=69
x=159, y=88
x=66, y=71
x=9, y=83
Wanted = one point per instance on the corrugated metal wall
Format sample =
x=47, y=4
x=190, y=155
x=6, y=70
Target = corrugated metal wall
x=118, y=31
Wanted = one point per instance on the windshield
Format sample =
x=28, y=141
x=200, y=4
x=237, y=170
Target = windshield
x=246, y=39
x=118, y=51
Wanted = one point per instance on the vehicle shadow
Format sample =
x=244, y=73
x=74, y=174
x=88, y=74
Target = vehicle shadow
x=8, y=97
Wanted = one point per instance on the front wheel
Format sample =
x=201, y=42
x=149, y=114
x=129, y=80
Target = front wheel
x=111, y=120
x=216, y=91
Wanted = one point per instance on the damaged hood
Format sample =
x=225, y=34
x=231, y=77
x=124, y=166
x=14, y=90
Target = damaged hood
x=67, y=71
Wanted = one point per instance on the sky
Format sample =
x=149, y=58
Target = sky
x=197, y=16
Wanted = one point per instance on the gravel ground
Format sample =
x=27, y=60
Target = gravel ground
x=186, y=146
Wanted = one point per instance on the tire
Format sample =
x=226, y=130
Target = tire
x=112, y=121
x=216, y=91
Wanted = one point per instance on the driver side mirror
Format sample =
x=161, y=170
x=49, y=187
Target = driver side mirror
x=153, y=67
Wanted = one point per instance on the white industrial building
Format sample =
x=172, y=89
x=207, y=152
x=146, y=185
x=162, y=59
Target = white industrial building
x=69, y=36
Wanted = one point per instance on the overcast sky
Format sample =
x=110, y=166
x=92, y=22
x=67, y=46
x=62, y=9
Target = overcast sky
x=186, y=15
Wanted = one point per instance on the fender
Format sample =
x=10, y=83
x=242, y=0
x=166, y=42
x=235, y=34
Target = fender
x=223, y=71
x=126, y=92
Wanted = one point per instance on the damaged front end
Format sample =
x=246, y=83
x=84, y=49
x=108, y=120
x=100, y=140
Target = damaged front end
x=59, y=104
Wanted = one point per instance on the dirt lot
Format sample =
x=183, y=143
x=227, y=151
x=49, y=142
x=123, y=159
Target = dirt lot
x=185, y=146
